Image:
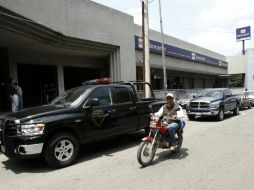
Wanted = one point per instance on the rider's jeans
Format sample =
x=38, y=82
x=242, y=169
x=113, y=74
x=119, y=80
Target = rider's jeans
x=172, y=128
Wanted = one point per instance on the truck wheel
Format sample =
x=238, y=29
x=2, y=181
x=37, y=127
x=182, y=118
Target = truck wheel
x=236, y=110
x=249, y=107
x=220, y=115
x=61, y=150
x=191, y=117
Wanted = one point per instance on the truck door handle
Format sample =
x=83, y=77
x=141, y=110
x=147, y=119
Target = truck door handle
x=132, y=108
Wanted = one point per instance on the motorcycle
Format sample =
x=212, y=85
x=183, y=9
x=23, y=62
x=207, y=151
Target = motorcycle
x=158, y=138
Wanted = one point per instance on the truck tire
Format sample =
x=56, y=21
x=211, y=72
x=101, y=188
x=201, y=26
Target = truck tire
x=220, y=115
x=191, y=117
x=61, y=150
x=236, y=110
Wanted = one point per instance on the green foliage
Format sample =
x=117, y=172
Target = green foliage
x=236, y=80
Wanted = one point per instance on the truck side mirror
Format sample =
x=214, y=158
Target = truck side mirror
x=195, y=95
x=228, y=95
x=93, y=102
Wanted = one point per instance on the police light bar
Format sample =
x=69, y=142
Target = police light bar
x=97, y=81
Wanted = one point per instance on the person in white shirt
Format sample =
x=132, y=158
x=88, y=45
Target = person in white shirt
x=173, y=114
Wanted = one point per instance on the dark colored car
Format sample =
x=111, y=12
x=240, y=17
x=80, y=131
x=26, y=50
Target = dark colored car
x=213, y=103
x=81, y=115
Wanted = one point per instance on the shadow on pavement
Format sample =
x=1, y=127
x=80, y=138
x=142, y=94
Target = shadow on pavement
x=87, y=152
x=167, y=155
x=110, y=146
x=211, y=119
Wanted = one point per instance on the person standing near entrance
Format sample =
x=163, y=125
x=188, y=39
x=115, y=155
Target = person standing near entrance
x=14, y=97
x=52, y=91
x=20, y=94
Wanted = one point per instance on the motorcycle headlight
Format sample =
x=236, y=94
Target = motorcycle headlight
x=215, y=105
x=31, y=129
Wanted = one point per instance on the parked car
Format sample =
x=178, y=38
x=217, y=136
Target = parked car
x=213, y=103
x=250, y=95
x=185, y=99
x=245, y=101
x=80, y=115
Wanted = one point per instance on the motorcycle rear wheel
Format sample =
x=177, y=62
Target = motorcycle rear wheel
x=143, y=156
x=179, y=140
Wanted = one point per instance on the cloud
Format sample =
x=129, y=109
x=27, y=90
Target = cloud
x=137, y=13
x=219, y=41
x=228, y=10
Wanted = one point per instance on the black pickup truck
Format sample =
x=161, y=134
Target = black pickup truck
x=213, y=103
x=80, y=115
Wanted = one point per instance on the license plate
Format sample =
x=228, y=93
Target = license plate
x=198, y=114
x=3, y=148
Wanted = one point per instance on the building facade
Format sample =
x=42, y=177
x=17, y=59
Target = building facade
x=66, y=42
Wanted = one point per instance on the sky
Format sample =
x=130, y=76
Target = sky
x=210, y=24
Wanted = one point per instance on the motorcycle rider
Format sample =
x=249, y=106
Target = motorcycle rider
x=173, y=114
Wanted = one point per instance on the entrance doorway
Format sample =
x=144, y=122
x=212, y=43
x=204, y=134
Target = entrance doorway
x=33, y=79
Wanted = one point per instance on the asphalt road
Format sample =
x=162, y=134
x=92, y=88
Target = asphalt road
x=215, y=155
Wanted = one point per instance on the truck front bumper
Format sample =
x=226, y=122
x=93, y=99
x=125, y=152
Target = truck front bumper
x=22, y=147
x=202, y=113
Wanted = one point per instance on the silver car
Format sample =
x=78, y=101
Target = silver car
x=250, y=95
x=185, y=99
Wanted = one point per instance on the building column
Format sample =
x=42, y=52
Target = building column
x=60, y=78
x=13, y=71
x=114, y=66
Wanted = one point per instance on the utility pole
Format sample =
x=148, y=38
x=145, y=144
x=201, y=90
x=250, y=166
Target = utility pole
x=163, y=53
x=143, y=41
x=146, y=50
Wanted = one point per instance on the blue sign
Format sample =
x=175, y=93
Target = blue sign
x=243, y=33
x=155, y=47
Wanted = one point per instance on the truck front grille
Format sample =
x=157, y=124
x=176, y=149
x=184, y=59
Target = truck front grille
x=9, y=128
x=199, y=105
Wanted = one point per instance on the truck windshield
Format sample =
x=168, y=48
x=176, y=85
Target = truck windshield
x=70, y=97
x=211, y=93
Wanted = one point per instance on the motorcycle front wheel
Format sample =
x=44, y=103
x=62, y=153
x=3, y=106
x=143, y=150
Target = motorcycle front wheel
x=144, y=155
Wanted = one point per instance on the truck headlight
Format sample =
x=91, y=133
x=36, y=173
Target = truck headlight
x=31, y=129
x=215, y=105
x=1, y=124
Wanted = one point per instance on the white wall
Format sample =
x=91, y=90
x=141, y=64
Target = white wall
x=249, y=71
x=236, y=64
